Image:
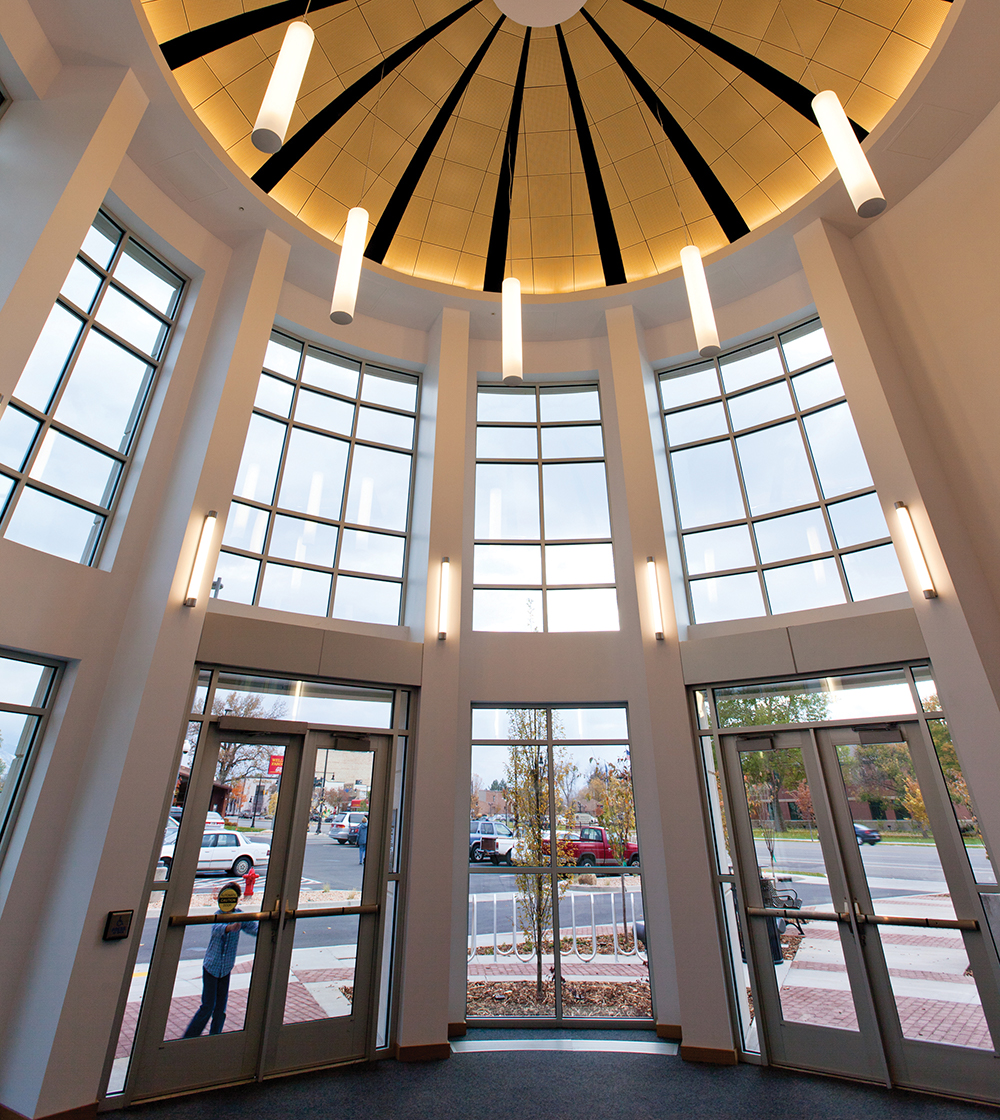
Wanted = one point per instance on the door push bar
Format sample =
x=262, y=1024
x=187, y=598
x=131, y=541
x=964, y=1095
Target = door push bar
x=863, y=919
x=270, y=915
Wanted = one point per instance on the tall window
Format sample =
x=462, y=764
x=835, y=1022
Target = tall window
x=321, y=513
x=772, y=492
x=543, y=558
x=68, y=432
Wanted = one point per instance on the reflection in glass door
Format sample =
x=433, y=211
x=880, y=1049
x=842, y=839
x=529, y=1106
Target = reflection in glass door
x=551, y=794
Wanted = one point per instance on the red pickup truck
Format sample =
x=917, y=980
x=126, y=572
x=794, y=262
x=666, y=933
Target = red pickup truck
x=591, y=847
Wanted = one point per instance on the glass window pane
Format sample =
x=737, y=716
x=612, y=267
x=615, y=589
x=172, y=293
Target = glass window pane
x=817, y=386
x=569, y=403
x=718, y=550
x=509, y=723
x=102, y=240
x=377, y=553
x=688, y=386
x=273, y=395
x=17, y=430
x=508, y=563
x=325, y=412
x=506, y=443
x=769, y=403
x=706, y=485
x=961, y=802
x=858, y=520
x=308, y=542
x=507, y=610
x=582, y=609
x=805, y=345
x=24, y=683
x=747, y=367
x=285, y=588
x=800, y=587
x=246, y=527
x=149, y=278
x=579, y=563
x=313, y=478
x=836, y=449
x=506, y=405
x=589, y=723
x=696, y=423
x=75, y=468
x=798, y=534
x=52, y=525
x=850, y=696
x=379, y=493
x=506, y=502
x=573, y=443
x=132, y=322
x=923, y=678
x=725, y=597
x=6, y=485
x=775, y=469
x=873, y=572
x=103, y=390
x=385, y=427
x=261, y=455
x=282, y=355
x=576, y=501
x=48, y=358
x=367, y=600
x=80, y=285
x=327, y=371
x=397, y=390
x=239, y=577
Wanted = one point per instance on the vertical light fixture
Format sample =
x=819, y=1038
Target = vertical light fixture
x=654, y=597
x=702, y=314
x=510, y=326
x=862, y=186
x=345, y=291
x=443, y=593
x=283, y=89
x=201, y=558
x=916, y=552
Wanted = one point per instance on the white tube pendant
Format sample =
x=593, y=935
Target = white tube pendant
x=510, y=327
x=862, y=186
x=702, y=315
x=283, y=89
x=345, y=291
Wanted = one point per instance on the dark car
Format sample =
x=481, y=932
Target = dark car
x=866, y=835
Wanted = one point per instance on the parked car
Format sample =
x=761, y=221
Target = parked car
x=866, y=835
x=345, y=827
x=491, y=840
x=592, y=847
x=229, y=852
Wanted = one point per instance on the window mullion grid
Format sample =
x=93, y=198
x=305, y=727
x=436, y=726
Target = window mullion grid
x=348, y=469
x=273, y=506
x=541, y=512
x=746, y=503
x=675, y=505
x=409, y=507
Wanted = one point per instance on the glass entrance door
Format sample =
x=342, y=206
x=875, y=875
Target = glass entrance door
x=870, y=951
x=267, y=961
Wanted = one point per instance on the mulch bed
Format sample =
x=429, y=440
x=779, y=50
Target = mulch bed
x=603, y=1000
x=605, y=944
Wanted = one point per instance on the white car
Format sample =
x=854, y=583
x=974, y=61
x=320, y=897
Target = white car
x=229, y=852
x=491, y=840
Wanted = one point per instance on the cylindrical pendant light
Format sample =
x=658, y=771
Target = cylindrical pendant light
x=702, y=316
x=345, y=291
x=851, y=162
x=283, y=88
x=510, y=326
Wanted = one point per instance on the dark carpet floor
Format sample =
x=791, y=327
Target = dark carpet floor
x=534, y=1085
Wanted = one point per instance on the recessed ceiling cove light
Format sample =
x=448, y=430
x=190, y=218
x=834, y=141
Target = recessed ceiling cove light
x=539, y=13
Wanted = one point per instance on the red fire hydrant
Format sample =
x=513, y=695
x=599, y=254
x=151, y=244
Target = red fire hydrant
x=250, y=878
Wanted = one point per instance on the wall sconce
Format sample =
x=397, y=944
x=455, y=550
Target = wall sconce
x=654, y=597
x=443, y=598
x=201, y=558
x=916, y=552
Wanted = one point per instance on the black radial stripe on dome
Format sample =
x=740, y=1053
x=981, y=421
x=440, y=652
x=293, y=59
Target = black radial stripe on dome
x=607, y=238
x=714, y=193
x=203, y=40
x=787, y=89
x=496, y=255
x=273, y=170
x=392, y=215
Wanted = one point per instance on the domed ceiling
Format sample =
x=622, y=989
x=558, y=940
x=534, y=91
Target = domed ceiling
x=571, y=156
